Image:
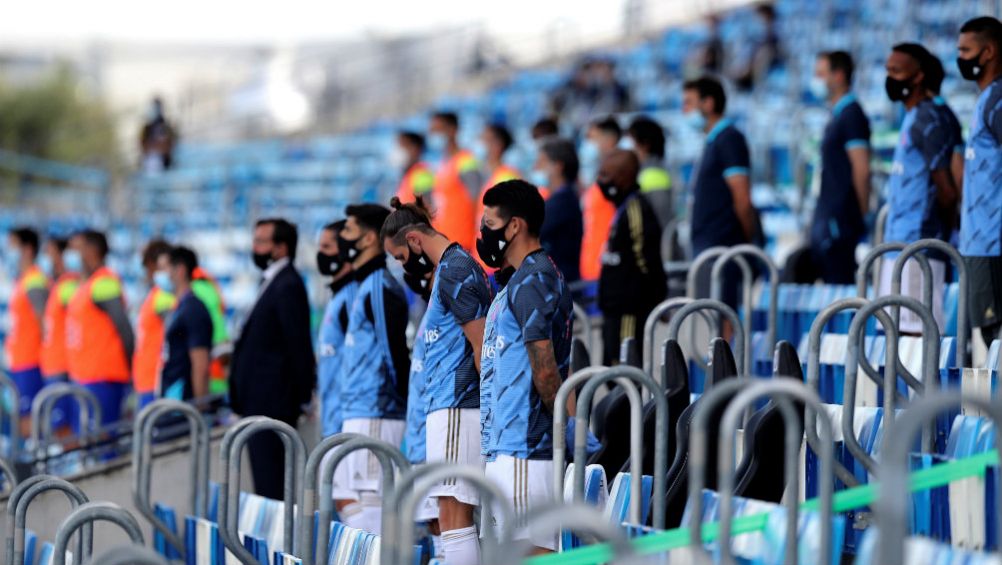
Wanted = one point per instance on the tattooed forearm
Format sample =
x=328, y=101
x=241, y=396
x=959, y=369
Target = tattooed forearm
x=545, y=374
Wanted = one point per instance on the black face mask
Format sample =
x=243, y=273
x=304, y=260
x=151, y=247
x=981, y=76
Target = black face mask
x=419, y=285
x=492, y=245
x=328, y=265
x=418, y=264
x=504, y=275
x=611, y=192
x=971, y=68
x=262, y=260
x=898, y=90
x=347, y=249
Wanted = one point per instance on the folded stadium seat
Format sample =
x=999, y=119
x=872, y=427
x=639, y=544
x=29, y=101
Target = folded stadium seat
x=169, y=517
x=580, y=356
x=596, y=494
x=617, y=509
x=924, y=550
x=722, y=366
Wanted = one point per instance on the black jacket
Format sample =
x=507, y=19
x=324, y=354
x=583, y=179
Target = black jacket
x=273, y=371
x=633, y=279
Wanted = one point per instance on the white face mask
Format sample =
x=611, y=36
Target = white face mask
x=818, y=88
x=397, y=157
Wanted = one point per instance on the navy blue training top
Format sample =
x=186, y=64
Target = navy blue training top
x=562, y=231
x=189, y=327
x=837, y=217
x=713, y=219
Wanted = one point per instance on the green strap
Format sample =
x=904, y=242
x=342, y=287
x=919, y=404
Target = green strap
x=844, y=501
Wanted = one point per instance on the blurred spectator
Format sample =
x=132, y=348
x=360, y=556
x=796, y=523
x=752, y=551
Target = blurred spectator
x=150, y=324
x=610, y=95
x=156, y=140
x=562, y=225
x=23, y=343
x=921, y=194
x=99, y=339
x=979, y=59
x=274, y=370
x=597, y=212
x=416, y=176
x=188, y=339
x=766, y=52
x=710, y=57
x=844, y=199
x=53, y=356
x=632, y=280
x=545, y=127
x=722, y=211
x=496, y=140
x=591, y=90
x=655, y=182
x=458, y=178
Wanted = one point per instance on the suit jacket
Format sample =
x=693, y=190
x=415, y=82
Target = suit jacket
x=273, y=370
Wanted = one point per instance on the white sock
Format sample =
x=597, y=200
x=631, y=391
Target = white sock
x=437, y=548
x=351, y=515
x=372, y=514
x=462, y=546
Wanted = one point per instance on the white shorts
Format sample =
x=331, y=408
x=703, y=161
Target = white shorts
x=362, y=466
x=911, y=285
x=453, y=436
x=427, y=510
x=526, y=484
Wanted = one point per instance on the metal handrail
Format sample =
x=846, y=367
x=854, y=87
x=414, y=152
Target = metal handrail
x=295, y=456
x=783, y=391
x=930, y=370
x=958, y=261
x=653, y=319
x=813, y=378
x=692, y=278
x=225, y=446
x=709, y=304
x=13, y=416
x=580, y=518
x=17, y=514
x=879, y=227
x=586, y=326
x=388, y=457
x=893, y=499
x=42, y=405
x=128, y=555
x=636, y=436
x=641, y=379
x=716, y=292
x=415, y=485
x=308, y=499
x=91, y=512
x=142, y=469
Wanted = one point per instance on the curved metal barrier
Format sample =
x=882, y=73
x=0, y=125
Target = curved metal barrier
x=642, y=379
x=653, y=319
x=12, y=416
x=308, y=499
x=692, y=278
x=560, y=439
x=229, y=488
x=930, y=371
x=398, y=542
x=142, y=468
x=581, y=519
x=716, y=292
x=45, y=401
x=709, y=304
x=586, y=326
x=782, y=391
x=863, y=271
x=88, y=513
x=958, y=262
x=10, y=480
x=128, y=555
x=17, y=514
x=893, y=502
x=387, y=455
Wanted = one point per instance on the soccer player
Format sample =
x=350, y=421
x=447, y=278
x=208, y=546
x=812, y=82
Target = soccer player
x=980, y=60
x=526, y=353
x=376, y=362
x=23, y=346
x=452, y=333
x=334, y=326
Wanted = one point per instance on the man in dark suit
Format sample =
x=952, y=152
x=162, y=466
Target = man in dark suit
x=273, y=367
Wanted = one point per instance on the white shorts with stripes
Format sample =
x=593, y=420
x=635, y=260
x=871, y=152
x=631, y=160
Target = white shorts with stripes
x=526, y=484
x=364, y=472
x=453, y=436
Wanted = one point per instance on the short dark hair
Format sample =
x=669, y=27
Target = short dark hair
x=96, y=239
x=368, y=216
x=405, y=218
x=61, y=243
x=545, y=127
x=562, y=150
x=185, y=257
x=608, y=125
x=649, y=134
x=153, y=250
x=27, y=237
x=503, y=135
x=518, y=198
x=334, y=227
x=986, y=28
x=708, y=87
x=932, y=69
x=916, y=51
x=450, y=118
x=840, y=61
x=766, y=10
x=414, y=138
x=285, y=232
